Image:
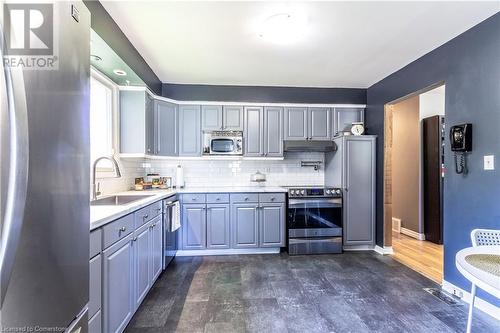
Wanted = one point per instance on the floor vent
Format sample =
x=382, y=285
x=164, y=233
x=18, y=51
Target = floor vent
x=443, y=296
x=396, y=225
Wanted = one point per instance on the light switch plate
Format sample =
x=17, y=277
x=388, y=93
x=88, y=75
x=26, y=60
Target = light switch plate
x=489, y=162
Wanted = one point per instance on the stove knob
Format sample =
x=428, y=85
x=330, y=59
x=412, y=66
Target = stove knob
x=302, y=192
x=338, y=191
x=292, y=192
x=328, y=192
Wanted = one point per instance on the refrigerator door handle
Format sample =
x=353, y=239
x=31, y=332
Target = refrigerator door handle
x=17, y=164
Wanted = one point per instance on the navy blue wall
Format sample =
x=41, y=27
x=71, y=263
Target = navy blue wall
x=264, y=94
x=107, y=29
x=469, y=65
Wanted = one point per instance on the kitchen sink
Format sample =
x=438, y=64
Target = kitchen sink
x=118, y=200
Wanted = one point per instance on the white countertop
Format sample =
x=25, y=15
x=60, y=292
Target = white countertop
x=101, y=215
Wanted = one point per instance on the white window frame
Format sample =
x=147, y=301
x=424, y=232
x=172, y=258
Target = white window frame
x=115, y=137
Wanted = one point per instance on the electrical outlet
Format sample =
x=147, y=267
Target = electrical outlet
x=489, y=162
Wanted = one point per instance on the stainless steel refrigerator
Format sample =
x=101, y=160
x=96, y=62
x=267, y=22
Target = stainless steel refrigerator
x=44, y=183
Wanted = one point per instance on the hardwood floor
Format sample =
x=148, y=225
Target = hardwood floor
x=359, y=292
x=421, y=256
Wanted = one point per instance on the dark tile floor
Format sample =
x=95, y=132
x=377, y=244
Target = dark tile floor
x=351, y=292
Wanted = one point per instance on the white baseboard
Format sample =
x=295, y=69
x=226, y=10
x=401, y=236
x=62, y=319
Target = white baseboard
x=222, y=252
x=383, y=250
x=479, y=303
x=412, y=233
x=358, y=247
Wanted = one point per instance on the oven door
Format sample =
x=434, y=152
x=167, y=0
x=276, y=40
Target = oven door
x=315, y=217
x=222, y=146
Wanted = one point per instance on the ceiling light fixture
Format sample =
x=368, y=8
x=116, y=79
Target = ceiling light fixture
x=283, y=28
x=119, y=72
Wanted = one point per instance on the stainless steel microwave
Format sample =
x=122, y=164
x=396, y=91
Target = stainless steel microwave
x=223, y=143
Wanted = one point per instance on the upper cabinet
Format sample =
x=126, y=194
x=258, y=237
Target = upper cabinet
x=189, y=130
x=211, y=118
x=166, y=118
x=344, y=117
x=217, y=118
x=233, y=118
x=303, y=123
x=263, y=134
x=135, y=121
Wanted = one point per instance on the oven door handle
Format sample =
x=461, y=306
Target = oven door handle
x=311, y=203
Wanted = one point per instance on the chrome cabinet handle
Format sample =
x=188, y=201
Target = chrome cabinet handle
x=145, y=216
x=122, y=229
x=246, y=199
x=193, y=199
x=273, y=198
x=135, y=239
x=218, y=199
x=17, y=181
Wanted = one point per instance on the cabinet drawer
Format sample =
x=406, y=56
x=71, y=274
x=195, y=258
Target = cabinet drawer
x=244, y=197
x=118, y=229
x=147, y=213
x=95, y=242
x=193, y=198
x=272, y=197
x=218, y=198
x=155, y=209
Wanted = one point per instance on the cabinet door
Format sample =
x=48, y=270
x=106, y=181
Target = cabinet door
x=253, y=134
x=156, y=248
x=359, y=194
x=194, y=226
x=166, y=129
x=245, y=225
x=132, y=122
x=95, y=265
x=272, y=225
x=118, y=285
x=296, y=124
x=211, y=118
x=142, y=263
x=319, y=124
x=218, y=226
x=233, y=118
x=189, y=130
x=344, y=117
x=273, y=131
x=150, y=127
x=95, y=323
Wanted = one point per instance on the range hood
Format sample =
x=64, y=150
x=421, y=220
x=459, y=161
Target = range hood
x=306, y=145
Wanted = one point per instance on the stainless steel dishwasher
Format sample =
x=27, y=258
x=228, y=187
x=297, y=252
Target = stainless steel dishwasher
x=170, y=233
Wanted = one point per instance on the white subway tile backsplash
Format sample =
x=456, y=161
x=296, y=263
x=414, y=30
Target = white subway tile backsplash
x=197, y=173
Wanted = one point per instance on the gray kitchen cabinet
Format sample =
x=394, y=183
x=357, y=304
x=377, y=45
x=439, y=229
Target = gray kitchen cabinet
x=95, y=323
x=166, y=115
x=194, y=226
x=271, y=224
x=133, y=122
x=245, y=225
x=358, y=153
x=296, y=123
x=95, y=273
x=232, y=118
x=319, y=124
x=150, y=125
x=218, y=226
x=253, y=133
x=142, y=263
x=118, y=285
x=211, y=118
x=344, y=117
x=273, y=131
x=189, y=130
x=156, y=248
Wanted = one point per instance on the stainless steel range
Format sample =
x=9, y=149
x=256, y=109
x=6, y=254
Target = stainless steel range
x=314, y=220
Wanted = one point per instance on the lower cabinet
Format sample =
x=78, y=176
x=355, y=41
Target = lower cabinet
x=271, y=226
x=142, y=263
x=218, y=226
x=156, y=249
x=95, y=323
x=194, y=235
x=118, y=285
x=245, y=223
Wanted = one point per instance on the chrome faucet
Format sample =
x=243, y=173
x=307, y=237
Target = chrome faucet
x=116, y=169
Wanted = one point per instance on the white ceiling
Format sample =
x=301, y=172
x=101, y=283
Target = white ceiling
x=345, y=44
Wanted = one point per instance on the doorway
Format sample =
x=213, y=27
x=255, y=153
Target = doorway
x=413, y=150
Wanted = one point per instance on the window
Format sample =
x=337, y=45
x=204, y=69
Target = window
x=101, y=121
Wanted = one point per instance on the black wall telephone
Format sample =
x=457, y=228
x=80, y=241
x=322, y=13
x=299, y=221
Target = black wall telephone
x=461, y=143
